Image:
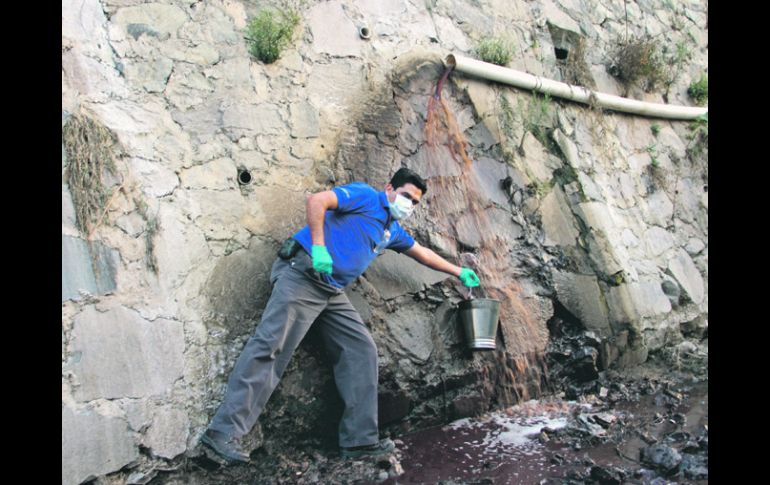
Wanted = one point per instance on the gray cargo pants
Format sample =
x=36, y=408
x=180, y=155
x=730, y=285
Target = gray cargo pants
x=300, y=298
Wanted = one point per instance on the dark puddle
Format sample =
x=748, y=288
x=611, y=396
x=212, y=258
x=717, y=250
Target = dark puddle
x=509, y=448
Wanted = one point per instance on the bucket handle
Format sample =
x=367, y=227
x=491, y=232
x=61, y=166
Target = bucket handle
x=470, y=293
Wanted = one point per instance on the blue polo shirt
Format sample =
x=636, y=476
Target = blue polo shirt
x=354, y=230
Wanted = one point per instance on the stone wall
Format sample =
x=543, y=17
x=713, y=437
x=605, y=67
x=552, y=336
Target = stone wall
x=602, y=214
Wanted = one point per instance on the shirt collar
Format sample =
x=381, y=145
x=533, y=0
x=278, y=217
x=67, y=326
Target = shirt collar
x=386, y=205
x=384, y=200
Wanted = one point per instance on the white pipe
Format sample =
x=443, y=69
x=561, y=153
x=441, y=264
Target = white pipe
x=575, y=93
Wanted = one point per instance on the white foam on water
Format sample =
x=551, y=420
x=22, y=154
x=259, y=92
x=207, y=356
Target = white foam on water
x=518, y=428
x=520, y=431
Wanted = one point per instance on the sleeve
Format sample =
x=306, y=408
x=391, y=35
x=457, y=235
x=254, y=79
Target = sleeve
x=354, y=197
x=400, y=240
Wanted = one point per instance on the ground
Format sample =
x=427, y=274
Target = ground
x=647, y=425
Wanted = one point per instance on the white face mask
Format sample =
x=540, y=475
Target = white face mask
x=401, y=208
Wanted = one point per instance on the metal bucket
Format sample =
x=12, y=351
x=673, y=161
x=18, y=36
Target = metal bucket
x=479, y=319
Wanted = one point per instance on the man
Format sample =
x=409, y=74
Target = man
x=347, y=228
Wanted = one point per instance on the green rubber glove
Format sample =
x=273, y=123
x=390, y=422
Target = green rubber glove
x=469, y=278
x=322, y=260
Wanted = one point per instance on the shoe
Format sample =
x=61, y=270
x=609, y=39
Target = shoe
x=225, y=446
x=384, y=446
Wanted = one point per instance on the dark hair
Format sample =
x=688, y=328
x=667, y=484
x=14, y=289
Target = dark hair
x=405, y=176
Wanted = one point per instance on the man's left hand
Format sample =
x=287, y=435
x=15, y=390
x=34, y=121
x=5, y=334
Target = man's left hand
x=469, y=278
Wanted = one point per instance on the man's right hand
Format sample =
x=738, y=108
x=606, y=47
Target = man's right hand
x=322, y=260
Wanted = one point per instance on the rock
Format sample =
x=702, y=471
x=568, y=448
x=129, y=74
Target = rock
x=132, y=224
x=360, y=303
x=395, y=467
x=472, y=405
x=650, y=440
x=167, y=435
x=202, y=120
x=107, y=344
x=583, y=365
x=556, y=16
x=152, y=76
x=535, y=158
x=657, y=209
x=479, y=136
x=694, y=467
x=703, y=443
x=630, y=302
x=141, y=478
x=201, y=54
x=393, y=275
x=605, y=419
x=432, y=162
x=392, y=406
x=157, y=179
x=694, y=246
x=683, y=269
x=661, y=481
x=333, y=31
x=155, y=17
x=187, y=87
x=90, y=268
x=470, y=18
x=575, y=474
x=607, y=475
x=661, y=456
x=569, y=150
x=451, y=37
x=240, y=120
x=411, y=325
x=591, y=339
x=280, y=212
x=672, y=290
x=581, y=295
x=695, y=328
x=591, y=190
x=467, y=229
x=93, y=445
x=304, y=120
x=483, y=99
x=332, y=86
x=488, y=173
x=219, y=174
x=583, y=426
x=658, y=240
x=558, y=221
